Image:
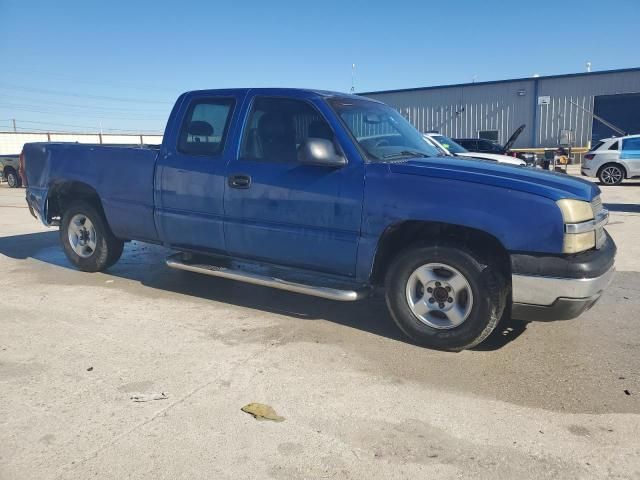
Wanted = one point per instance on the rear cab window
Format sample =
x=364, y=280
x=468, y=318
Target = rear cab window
x=204, y=127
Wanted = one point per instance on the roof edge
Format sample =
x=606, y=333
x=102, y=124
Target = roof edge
x=493, y=82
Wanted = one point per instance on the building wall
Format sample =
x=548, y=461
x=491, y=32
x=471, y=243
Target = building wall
x=12, y=142
x=463, y=110
x=562, y=114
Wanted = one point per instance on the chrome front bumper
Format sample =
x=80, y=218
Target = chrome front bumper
x=548, y=298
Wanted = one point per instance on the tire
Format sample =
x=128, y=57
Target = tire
x=611, y=174
x=477, y=294
x=12, y=179
x=87, y=240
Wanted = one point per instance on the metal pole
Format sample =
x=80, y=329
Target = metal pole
x=353, y=73
x=600, y=119
x=14, y=125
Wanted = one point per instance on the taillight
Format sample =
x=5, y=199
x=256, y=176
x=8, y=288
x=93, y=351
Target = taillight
x=589, y=156
x=21, y=171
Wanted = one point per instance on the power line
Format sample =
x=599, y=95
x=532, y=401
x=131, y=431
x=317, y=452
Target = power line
x=77, y=95
x=72, y=125
x=95, y=129
x=88, y=115
x=73, y=105
x=41, y=74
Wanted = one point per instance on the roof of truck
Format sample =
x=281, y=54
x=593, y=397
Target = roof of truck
x=282, y=91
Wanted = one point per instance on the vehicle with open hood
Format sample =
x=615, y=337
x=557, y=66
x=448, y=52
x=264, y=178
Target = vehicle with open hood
x=452, y=148
x=483, y=145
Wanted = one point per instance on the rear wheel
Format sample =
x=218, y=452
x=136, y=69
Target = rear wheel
x=445, y=297
x=12, y=179
x=87, y=239
x=611, y=174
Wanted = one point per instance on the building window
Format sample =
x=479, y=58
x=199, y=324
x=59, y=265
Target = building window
x=492, y=135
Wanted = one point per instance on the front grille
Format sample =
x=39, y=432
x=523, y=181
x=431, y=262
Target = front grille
x=597, y=207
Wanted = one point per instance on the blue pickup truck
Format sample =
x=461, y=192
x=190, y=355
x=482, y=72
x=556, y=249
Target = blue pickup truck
x=336, y=196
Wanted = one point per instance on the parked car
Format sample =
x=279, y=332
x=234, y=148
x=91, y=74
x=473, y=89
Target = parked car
x=452, y=148
x=482, y=145
x=612, y=160
x=9, y=170
x=336, y=196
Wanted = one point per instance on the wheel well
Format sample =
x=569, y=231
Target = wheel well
x=408, y=234
x=9, y=169
x=622, y=167
x=62, y=194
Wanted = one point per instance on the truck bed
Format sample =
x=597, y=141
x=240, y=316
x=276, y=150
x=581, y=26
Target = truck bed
x=121, y=175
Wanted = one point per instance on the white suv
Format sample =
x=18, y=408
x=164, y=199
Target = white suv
x=612, y=160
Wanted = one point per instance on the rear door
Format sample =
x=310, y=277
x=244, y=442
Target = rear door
x=281, y=211
x=630, y=155
x=190, y=176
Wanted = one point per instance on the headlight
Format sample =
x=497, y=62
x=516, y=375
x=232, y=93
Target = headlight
x=576, y=212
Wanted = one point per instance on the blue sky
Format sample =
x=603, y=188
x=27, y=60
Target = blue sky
x=82, y=65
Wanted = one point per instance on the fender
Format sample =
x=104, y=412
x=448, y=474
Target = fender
x=520, y=221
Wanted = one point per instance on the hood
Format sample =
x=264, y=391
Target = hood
x=494, y=156
x=530, y=180
x=514, y=136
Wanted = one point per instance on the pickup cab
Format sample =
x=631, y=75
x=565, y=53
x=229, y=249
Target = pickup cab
x=336, y=196
x=9, y=170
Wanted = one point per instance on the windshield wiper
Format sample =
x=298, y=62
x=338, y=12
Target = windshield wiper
x=407, y=153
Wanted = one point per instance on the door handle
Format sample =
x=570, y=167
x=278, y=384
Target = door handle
x=239, y=181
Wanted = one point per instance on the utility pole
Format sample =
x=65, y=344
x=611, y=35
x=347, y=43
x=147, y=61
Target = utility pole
x=14, y=125
x=353, y=73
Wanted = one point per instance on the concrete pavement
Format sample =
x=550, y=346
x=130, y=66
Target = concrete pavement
x=535, y=401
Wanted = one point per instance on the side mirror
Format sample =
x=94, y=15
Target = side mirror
x=321, y=152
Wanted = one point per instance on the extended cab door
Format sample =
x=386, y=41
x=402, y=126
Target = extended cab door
x=190, y=175
x=281, y=211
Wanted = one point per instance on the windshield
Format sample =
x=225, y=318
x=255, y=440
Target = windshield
x=449, y=144
x=381, y=131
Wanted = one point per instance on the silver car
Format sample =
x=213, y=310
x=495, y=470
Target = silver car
x=612, y=160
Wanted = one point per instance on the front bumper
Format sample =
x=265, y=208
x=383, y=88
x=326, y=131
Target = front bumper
x=547, y=288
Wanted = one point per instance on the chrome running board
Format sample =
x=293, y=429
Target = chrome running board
x=176, y=261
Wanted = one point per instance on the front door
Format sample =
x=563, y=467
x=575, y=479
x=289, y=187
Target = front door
x=190, y=177
x=281, y=211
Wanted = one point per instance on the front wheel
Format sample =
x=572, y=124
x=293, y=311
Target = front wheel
x=87, y=239
x=445, y=297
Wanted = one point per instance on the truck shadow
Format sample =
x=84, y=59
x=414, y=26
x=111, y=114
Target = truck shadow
x=144, y=263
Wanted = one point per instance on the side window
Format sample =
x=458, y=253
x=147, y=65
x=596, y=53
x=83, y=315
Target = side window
x=205, y=125
x=614, y=146
x=631, y=144
x=276, y=127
